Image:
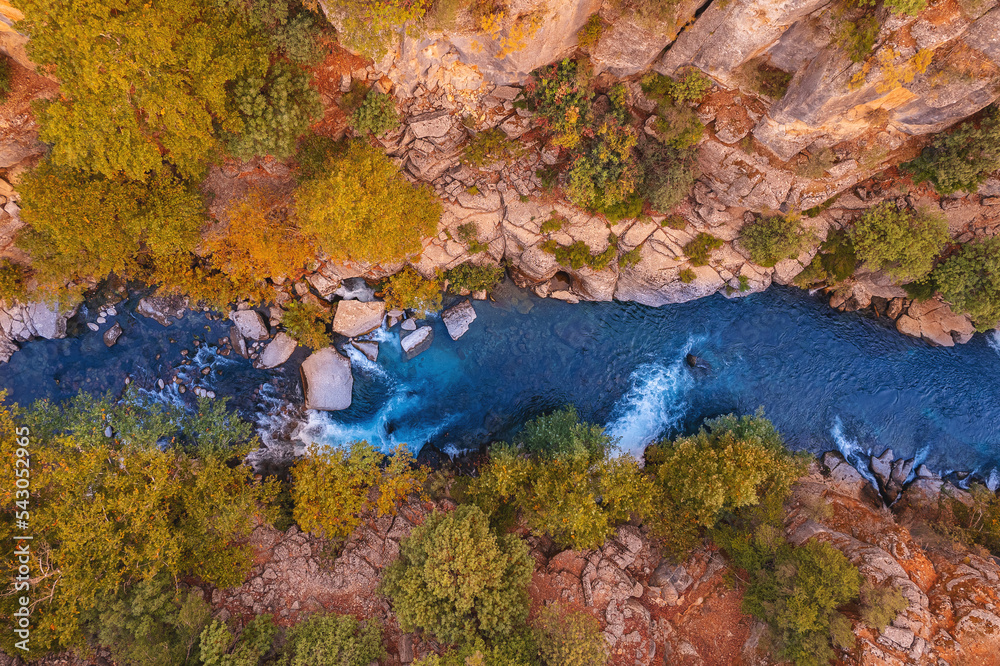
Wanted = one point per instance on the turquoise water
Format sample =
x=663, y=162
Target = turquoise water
x=827, y=379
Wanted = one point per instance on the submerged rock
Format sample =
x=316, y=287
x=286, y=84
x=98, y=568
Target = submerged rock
x=417, y=342
x=164, y=309
x=250, y=324
x=457, y=319
x=112, y=334
x=327, y=381
x=354, y=318
x=277, y=351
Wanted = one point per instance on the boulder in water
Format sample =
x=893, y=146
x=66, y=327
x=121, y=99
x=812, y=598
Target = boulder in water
x=277, y=351
x=354, y=318
x=457, y=319
x=417, y=342
x=112, y=334
x=7, y=348
x=250, y=324
x=238, y=342
x=369, y=349
x=327, y=381
x=882, y=466
x=163, y=309
x=409, y=324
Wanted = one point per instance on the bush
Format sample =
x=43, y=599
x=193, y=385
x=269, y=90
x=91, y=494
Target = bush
x=675, y=222
x=468, y=233
x=700, y=248
x=376, y=114
x=857, y=37
x=606, y=173
x=590, y=34
x=770, y=239
x=220, y=648
x=555, y=223
x=565, y=479
x=921, y=290
x=408, y=290
x=560, y=95
x=963, y=158
x=970, y=281
x=729, y=464
x=12, y=282
x=474, y=278
x=678, y=126
x=5, y=77
x=333, y=487
x=630, y=258
x=835, y=262
x=254, y=243
x=687, y=276
x=490, y=146
x=362, y=208
x=911, y=7
x=881, y=605
x=900, y=242
x=82, y=226
x=669, y=174
x=457, y=580
x=628, y=209
x=275, y=109
x=816, y=164
x=371, y=27
x=141, y=83
x=692, y=87
x=111, y=512
x=306, y=323
x=150, y=624
x=578, y=255
x=334, y=640
x=298, y=38
x=766, y=79
x=569, y=638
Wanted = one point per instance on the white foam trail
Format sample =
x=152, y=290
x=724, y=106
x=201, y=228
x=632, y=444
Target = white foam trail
x=653, y=404
x=361, y=362
x=993, y=339
x=851, y=450
x=355, y=289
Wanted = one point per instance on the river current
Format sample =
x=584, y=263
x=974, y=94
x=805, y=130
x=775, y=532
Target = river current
x=827, y=379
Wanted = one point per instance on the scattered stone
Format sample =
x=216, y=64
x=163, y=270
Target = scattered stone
x=417, y=342
x=277, y=351
x=237, y=341
x=250, y=324
x=354, y=318
x=163, y=309
x=327, y=381
x=369, y=349
x=112, y=334
x=457, y=319
x=92, y=326
x=160, y=384
x=409, y=325
x=102, y=320
x=393, y=317
x=433, y=124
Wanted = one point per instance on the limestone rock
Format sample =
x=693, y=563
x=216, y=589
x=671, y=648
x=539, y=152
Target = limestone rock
x=417, y=342
x=250, y=324
x=327, y=381
x=457, y=319
x=277, y=351
x=432, y=124
x=369, y=349
x=163, y=309
x=354, y=318
x=112, y=334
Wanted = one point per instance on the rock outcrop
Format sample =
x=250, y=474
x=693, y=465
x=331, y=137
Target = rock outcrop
x=354, y=318
x=458, y=318
x=327, y=381
x=277, y=351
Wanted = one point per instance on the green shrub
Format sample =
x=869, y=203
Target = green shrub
x=921, y=290
x=699, y=249
x=376, y=114
x=881, y=605
x=555, y=223
x=606, y=173
x=82, y=226
x=314, y=151
x=408, y=290
x=692, y=87
x=687, y=276
x=565, y=479
x=474, y=278
x=797, y=590
x=220, y=648
x=150, y=624
x=900, y=242
x=590, y=34
x=569, y=638
x=677, y=126
x=675, y=222
x=857, y=37
x=578, y=255
x=816, y=164
x=457, y=580
x=275, y=111
x=560, y=96
x=490, y=146
x=911, y=7
x=6, y=74
x=298, y=38
x=363, y=208
x=970, y=281
x=963, y=158
x=730, y=463
x=630, y=258
x=629, y=209
x=763, y=77
x=140, y=83
x=355, y=96
x=770, y=239
x=668, y=174
x=306, y=323
x=334, y=640
x=12, y=281
x=371, y=27
x=333, y=487
x=468, y=233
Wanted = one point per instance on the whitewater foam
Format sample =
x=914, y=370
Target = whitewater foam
x=993, y=339
x=653, y=404
x=853, y=452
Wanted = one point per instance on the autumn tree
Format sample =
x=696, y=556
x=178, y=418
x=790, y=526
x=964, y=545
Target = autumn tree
x=361, y=207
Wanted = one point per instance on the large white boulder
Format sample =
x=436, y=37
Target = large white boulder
x=327, y=381
x=277, y=351
x=354, y=318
